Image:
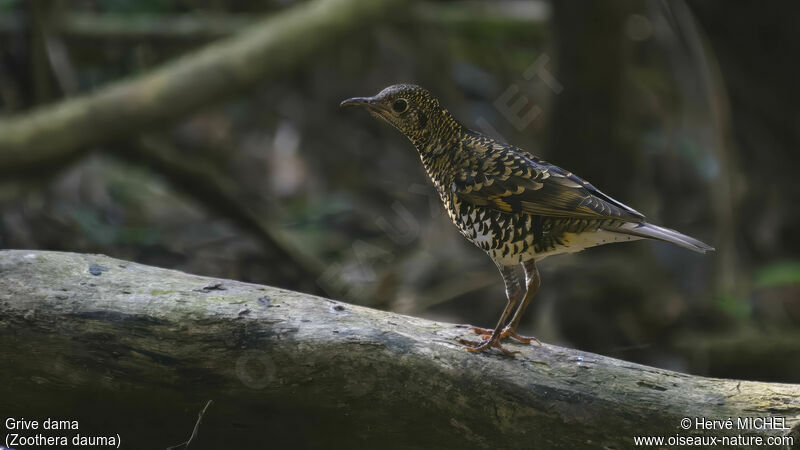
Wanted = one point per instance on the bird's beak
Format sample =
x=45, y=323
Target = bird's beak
x=358, y=101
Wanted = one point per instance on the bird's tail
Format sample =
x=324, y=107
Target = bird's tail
x=650, y=231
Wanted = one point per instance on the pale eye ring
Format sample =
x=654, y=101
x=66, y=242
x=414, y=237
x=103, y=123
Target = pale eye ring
x=400, y=106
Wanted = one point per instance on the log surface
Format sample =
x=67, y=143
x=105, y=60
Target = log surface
x=138, y=350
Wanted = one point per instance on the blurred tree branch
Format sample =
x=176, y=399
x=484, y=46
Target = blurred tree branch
x=45, y=138
x=58, y=132
x=207, y=185
x=149, y=341
x=744, y=352
x=198, y=27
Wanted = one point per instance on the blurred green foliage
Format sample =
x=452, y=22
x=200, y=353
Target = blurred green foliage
x=734, y=306
x=778, y=274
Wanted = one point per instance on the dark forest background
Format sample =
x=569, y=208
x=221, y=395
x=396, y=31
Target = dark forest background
x=688, y=112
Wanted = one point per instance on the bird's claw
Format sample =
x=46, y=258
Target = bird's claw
x=506, y=333
x=477, y=347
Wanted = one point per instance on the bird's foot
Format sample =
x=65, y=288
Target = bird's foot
x=506, y=333
x=477, y=347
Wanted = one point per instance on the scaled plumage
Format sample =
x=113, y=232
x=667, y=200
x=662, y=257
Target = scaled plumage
x=513, y=205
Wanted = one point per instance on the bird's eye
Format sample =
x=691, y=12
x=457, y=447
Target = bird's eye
x=400, y=106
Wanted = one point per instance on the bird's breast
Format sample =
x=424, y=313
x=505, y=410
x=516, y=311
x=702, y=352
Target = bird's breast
x=507, y=238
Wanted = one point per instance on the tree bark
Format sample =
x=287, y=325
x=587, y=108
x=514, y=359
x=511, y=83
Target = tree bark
x=137, y=350
x=55, y=133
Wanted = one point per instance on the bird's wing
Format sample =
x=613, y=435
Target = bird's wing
x=510, y=180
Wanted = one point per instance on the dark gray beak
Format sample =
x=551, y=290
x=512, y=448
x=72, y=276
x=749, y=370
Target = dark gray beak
x=358, y=101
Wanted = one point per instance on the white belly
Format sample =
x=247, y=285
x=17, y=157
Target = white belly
x=577, y=242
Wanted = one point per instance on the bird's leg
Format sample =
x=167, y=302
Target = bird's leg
x=532, y=282
x=514, y=294
x=518, y=286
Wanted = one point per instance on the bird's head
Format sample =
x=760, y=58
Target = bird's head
x=409, y=108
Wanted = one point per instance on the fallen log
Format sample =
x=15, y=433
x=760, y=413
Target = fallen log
x=135, y=351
